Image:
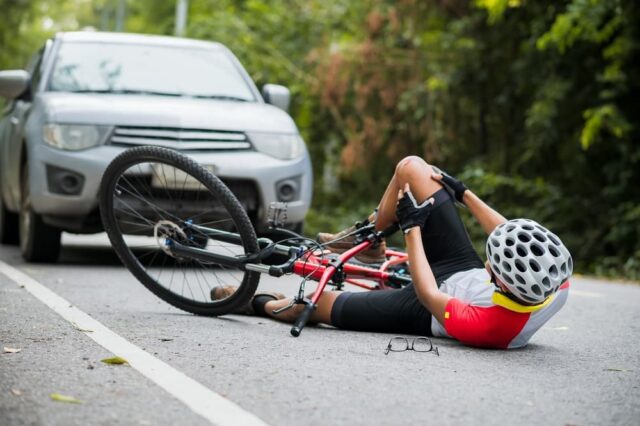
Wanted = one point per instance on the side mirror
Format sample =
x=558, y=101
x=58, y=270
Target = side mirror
x=13, y=83
x=276, y=95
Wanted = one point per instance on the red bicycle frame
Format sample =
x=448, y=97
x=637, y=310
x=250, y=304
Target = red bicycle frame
x=311, y=266
x=324, y=270
x=317, y=267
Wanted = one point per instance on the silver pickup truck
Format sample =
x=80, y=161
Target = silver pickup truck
x=89, y=95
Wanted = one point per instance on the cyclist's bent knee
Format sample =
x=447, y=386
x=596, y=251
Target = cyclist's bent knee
x=410, y=161
x=412, y=166
x=417, y=172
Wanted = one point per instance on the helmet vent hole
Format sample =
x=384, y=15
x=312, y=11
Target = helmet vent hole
x=497, y=270
x=497, y=233
x=553, y=271
x=521, y=250
x=547, y=293
x=534, y=266
x=506, y=267
x=554, y=251
x=495, y=242
x=525, y=238
x=522, y=289
x=510, y=242
x=508, y=253
x=520, y=279
x=520, y=266
x=489, y=251
x=536, y=290
x=546, y=283
x=528, y=299
x=496, y=258
x=540, y=237
x=527, y=227
x=536, y=249
x=554, y=239
x=508, y=279
x=510, y=228
x=570, y=262
x=563, y=268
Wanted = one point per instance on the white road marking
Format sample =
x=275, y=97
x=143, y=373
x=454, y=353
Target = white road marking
x=202, y=400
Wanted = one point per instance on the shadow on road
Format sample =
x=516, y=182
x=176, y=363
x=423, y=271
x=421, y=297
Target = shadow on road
x=76, y=255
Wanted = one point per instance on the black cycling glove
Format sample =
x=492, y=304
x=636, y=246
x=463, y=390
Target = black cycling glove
x=410, y=214
x=453, y=185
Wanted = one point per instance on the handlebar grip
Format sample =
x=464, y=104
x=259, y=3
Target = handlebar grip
x=301, y=321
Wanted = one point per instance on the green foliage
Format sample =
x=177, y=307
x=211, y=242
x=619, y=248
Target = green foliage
x=536, y=199
x=497, y=8
x=532, y=103
x=601, y=118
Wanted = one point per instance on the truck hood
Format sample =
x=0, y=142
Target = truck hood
x=160, y=111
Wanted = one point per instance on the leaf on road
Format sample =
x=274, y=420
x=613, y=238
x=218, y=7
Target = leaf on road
x=7, y=350
x=84, y=330
x=16, y=392
x=116, y=360
x=65, y=398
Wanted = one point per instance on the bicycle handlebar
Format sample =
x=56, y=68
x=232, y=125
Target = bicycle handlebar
x=302, y=319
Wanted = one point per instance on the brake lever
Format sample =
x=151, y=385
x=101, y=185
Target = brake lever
x=294, y=301
x=284, y=308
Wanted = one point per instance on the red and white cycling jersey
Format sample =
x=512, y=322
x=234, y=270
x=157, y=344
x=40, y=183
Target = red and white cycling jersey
x=479, y=315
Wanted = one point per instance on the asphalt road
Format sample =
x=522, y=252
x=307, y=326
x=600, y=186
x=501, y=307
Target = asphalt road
x=582, y=368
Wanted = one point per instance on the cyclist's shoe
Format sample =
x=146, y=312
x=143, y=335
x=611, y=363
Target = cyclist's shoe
x=224, y=292
x=374, y=255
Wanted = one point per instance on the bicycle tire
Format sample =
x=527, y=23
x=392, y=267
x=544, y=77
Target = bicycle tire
x=113, y=185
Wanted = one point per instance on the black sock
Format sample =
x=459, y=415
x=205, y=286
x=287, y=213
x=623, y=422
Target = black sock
x=259, y=303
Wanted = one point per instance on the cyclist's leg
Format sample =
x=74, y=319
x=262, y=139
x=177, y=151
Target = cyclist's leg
x=391, y=311
x=417, y=173
x=322, y=313
x=445, y=239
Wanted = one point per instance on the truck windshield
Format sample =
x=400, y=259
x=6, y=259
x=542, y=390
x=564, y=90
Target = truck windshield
x=148, y=69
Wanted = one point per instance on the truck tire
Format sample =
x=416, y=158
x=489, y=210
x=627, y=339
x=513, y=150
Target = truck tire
x=8, y=226
x=38, y=241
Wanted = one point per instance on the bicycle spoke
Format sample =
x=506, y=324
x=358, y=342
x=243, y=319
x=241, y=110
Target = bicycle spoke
x=155, y=201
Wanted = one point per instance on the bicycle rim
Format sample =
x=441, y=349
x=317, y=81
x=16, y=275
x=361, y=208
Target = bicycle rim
x=152, y=196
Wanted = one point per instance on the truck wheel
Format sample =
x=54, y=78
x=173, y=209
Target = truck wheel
x=8, y=226
x=38, y=241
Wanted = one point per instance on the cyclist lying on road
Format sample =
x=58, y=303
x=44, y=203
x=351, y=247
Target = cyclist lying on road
x=500, y=304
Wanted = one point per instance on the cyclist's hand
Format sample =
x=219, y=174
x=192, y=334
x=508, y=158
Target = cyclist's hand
x=451, y=184
x=411, y=214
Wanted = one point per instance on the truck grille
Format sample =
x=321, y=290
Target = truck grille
x=180, y=139
x=181, y=203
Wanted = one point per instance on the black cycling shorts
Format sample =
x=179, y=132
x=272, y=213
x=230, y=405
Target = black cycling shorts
x=448, y=249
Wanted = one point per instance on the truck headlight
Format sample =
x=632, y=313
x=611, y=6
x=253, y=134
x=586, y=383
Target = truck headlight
x=74, y=137
x=278, y=145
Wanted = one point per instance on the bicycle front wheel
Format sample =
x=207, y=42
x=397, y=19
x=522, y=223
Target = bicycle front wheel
x=150, y=196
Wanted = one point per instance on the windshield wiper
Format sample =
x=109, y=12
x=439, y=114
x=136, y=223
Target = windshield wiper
x=222, y=97
x=127, y=92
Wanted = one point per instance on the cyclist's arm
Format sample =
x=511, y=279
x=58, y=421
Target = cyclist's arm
x=424, y=282
x=485, y=215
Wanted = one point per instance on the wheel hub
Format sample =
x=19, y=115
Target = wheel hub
x=166, y=230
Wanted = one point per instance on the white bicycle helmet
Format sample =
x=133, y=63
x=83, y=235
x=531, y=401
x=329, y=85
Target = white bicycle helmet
x=530, y=260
